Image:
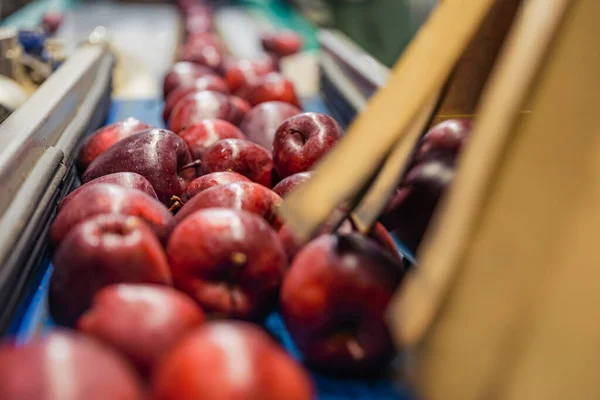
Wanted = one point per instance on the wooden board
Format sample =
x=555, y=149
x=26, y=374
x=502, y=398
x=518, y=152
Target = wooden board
x=503, y=305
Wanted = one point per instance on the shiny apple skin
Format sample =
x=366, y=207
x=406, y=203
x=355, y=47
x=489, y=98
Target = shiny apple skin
x=210, y=180
x=104, y=198
x=242, y=73
x=246, y=196
x=99, y=141
x=124, y=179
x=444, y=141
x=230, y=261
x=142, y=322
x=201, y=135
x=156, y=154
x=198, y=106
x=262, y=121
x=270, y=87
x=241, y=156
x=106, y=249
x=65, y=365
x=206, y=82
x=239, y=362
x=183, y=74
x=302, y=140
x=288, y=184
x=334, y=299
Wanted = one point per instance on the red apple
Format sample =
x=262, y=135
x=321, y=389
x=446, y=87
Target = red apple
x=444, y=141
x=63, y=366
x=103, y=250
x=334, y=299
x=412, y=207
x=183, y=73
x=282, y=44
x=241, y=156
x=230, y=261
x=142, y=322
x=156, y=154
x=244, y=72
x=198, y=106
x=246, y=196
x=104, y=198
x=201, y=135
x=302, y=140
x=237, y=361
x=124, y=179
x=206, y=54
x=378, y=233
x=206, y=82
x=262, y=121
x=99, y=141
x=270, y=87
x=209, y=180
x=288, y=184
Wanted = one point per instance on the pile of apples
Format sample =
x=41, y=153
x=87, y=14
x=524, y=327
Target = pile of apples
x=170, y=255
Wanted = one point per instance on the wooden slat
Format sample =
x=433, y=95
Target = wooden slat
x=414, y=80
x=503, y=303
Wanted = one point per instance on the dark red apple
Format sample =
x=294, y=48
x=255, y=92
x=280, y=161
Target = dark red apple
x=288, y=184
x=99, y=141
x=245, y=72
x=142, y=322
x=444, y=141
x=241, y=156
x=412, y=207
x=206, y=54
x=156, y=154
x=237, y=360
x=206, y=82
x=302, y=140
x=262, y=121
x=106, y=249
x=209, y=180
x=123, y=179
x=270, y=87
x=65, y=366
x=104, y=198
x=246, y=196
x=240, y=108
x=282, y=44
x=198, y=106
x=230, y=261
x=184, y=73
x=201, y=135
x=378, y=233
x=334, y=299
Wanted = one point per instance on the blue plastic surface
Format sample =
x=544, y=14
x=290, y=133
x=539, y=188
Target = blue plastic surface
x=34, y=319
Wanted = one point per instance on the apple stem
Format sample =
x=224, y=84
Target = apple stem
x=238, y=258
x=355, y=349
x=176, y=205
x=193, y=164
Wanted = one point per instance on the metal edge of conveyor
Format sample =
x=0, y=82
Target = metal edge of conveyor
x=36, y=163
x=348, y=74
